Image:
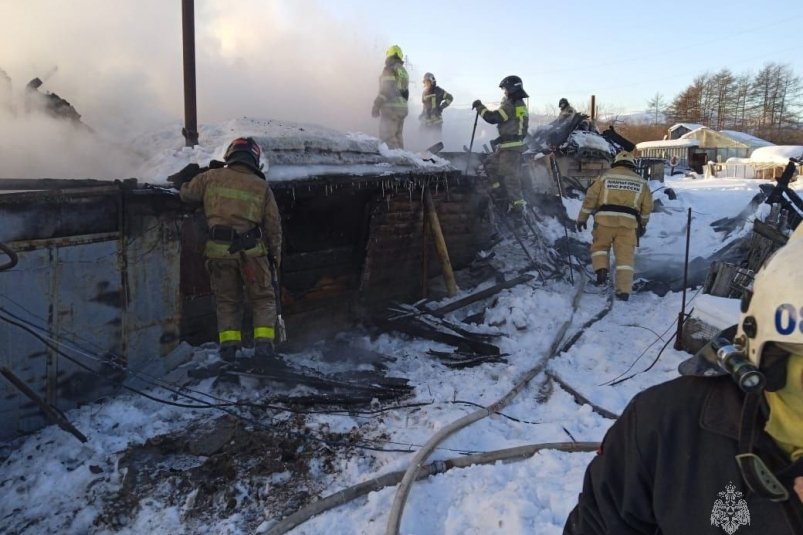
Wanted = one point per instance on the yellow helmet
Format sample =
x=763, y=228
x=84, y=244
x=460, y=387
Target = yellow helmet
x=394, y=50
x=625, y=158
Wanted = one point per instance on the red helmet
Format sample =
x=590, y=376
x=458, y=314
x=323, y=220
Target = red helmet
x=244, y=150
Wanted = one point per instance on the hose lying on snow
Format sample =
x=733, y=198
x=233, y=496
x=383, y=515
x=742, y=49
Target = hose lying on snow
x=394, y=520
x=518, y=453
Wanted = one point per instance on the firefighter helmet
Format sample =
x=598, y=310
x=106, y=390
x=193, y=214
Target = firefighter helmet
x=625, y=157
x=244, y=150
x=513, y=84
x=562, y=103
x=394, y=50
x=429, y=77
x=773, y=310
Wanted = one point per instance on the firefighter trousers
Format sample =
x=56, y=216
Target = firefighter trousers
x=391, y=127
x=504, y=166
x=623, y=242
x=232, y=278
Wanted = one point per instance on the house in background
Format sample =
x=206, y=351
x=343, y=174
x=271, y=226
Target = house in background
x=697, y=147
x=678, y=130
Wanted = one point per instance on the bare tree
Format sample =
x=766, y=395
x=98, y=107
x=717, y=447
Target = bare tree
x=656, y=106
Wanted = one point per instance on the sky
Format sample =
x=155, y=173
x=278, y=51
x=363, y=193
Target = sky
x=120, y=63
x=55, y=484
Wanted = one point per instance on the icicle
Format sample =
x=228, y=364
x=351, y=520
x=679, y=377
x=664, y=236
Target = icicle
x=293, y=192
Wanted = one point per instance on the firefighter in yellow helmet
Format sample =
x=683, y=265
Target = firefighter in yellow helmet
x=512, y=120
x=621, y=203
x=244, y=230
x=390, y=105
x=435, y=99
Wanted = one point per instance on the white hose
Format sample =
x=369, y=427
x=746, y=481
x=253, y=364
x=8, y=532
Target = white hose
x=341, y=497
x=399, y=500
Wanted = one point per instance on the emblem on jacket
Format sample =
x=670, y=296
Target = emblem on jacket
x=730, y=510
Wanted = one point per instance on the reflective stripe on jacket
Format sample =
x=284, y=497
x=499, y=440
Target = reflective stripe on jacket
x=434, y=100
x=394, y=85
x=235, y=197
x=512, y=120
x=620, y=187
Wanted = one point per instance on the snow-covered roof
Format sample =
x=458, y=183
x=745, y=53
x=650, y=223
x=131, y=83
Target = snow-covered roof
x=667, y=143
x=778, y=154
x=688, y=126
x=744, y=137
x=712, y=139
x=292, y=151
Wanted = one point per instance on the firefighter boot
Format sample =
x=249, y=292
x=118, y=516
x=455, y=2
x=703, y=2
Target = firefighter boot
x=228, y=353
x=621, y=296
x=602, y=277
x=264, y=351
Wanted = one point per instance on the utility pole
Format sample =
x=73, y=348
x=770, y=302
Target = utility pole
x=190, y=130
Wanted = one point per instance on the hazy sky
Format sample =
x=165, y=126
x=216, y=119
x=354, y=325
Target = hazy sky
x=119, y=62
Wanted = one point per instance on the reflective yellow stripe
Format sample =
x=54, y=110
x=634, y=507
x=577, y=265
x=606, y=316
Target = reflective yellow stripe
x=502, y=113
x=599, y=253
x=230, y=336
x=511, y=144
x=264, y=332
x=521, y=113
x=520, y=202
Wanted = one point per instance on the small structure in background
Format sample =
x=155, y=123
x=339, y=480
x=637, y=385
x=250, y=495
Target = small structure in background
x=695, y=148
x=678, y=130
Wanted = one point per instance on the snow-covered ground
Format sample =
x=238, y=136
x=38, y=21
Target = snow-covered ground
x=51, y=483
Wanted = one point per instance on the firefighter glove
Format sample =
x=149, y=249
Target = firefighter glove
x=185, y=175
x=377, y=105
x=476, y=105
x=582, y=225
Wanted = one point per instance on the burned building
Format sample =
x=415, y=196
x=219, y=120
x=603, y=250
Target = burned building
x=110, y=275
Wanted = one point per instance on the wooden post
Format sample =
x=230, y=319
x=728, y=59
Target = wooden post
x=440, y=243
x=425, y=256
x=593, y=112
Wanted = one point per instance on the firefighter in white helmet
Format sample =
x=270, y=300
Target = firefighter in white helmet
x=721, y=450
x=621, y=203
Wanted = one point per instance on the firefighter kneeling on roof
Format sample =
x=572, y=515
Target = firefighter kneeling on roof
x=621, y=202
x=244, y=244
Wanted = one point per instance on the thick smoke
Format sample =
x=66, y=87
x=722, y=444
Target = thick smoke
x=120, y=65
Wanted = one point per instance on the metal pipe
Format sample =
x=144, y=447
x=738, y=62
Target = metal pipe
x=682, y=313
x=190, y=130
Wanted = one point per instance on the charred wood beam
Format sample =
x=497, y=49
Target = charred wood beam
x=770, y=232
x=53, y=414
x=414, y=326
x=480, y=295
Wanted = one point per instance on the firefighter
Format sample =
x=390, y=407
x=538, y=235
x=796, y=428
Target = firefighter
x=566, y=110
x=512, y=119
x=621, y=202
x=699, y=454
x=244, y=229
x=390, y=105
x=435, y=99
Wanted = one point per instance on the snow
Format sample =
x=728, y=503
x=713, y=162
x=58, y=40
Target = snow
x=778, y=154
x=747, y=139
x=718, y=312
x=681, y=142
x=292, y=151
x=51, y=483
